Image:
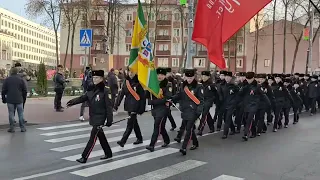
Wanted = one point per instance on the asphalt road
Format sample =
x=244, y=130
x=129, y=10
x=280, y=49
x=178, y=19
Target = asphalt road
x=49, y=152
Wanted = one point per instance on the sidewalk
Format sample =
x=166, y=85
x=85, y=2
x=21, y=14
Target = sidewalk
x=40, y=110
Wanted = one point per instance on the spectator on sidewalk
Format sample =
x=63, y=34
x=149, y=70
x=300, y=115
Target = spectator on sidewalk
x=23, y=74
x=60, y=84
x=113, y=85
x=87, y=85
x=14, y=91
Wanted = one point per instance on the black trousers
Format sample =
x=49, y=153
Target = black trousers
x=228, y=123
x=249, y=117
x=132, y=124
x=190, y=134
x=285, y=112
x=97, y=132
x=239, y=117
x=295, y=114
x=182, y=129
x=259, y=123
x=277, y=114
x=306, y=102
x=170, y=117
x=57, y=98
x=313, y=102
x=220, y=115
x=159, y=127
x=206, y=119
x=269, y=115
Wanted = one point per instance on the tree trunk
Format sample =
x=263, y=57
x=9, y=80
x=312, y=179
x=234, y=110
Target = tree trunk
x=285, y=38
x=72, y=47
x=295, y=55
x=273, y=36
x=183, y=46
x=68, y=41
x=57, y=45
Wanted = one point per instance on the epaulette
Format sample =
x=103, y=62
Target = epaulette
x=199, y=83
x=107, y=87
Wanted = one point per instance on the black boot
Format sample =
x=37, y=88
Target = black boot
x=199, y=133
x=245, y=138
x=82, y=160
x=177, y=139
x=165, y=145
x=150, y=148
x=120, y=143
x=183, y=151
x=194, y=147
x=224, y=137
x=138, y=142
x=106, y=157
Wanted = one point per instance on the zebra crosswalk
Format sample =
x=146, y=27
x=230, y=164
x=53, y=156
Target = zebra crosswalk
x=68, y=141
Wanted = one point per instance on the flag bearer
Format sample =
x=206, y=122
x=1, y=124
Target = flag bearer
x=100, y=110
x=191, y=102
x=263, y=105
x=134, y=104
x=160, y=109
x=312, y=92
x=228, y=96
x=297, y=101
x=239, y=109
x=174, y=87
x=210, y=95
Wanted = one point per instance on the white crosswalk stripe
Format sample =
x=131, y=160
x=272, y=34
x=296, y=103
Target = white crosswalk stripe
x=66, y=131
x=65, y=126
x=227, y=177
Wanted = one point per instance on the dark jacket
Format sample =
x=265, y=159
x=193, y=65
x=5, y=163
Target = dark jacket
x=87, y=81
x=240, y=86
x=266, y=89
x=14, y=90
x=113, y=83
x=160, y=106
x=219, y=83
x=189, y=109
x=99, y=102
x=174, y=84
x=228, y=95
x=281, y=93
x=295, y=94
x=209, y=92
x=130, y=103
x=251, y=95
x=313, y=89
x=59, y=81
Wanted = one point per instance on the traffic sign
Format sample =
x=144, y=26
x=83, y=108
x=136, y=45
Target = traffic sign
x=85, y=37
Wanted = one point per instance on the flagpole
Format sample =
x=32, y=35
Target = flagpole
x=190, y=49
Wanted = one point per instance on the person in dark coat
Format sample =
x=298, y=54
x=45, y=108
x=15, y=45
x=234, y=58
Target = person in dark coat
x=160, y=110
x=24, y=76
x=218, y=115
x=263, y=105
x=288, y=103
x=251, y=95
x=304, y=86
x=239, y=120
x=228, y=96
x=87, y=85
x=134, y=104
x=191, y=102
x=174, y=83
x=60, y=84
x=14, y=91
x=301, y=90
x=312, y=92
x=269, y=110
x=100, y=110
x=113, y=84
x=297, y=101
x=210, y=95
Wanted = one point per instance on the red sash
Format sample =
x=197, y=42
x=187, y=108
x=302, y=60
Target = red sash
x=132, y=92
x=191, y=95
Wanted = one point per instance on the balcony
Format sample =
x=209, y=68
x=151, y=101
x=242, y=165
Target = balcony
x=163, y=38
x=97, y=22
x=202, y=53
x=164, y=23
x=163, y=53
x=98, y=37
x=93, y=51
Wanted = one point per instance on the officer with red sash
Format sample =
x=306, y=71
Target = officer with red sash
x=134, y=104
x=191, y=101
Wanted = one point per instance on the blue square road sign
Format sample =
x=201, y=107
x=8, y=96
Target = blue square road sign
x=85, y=37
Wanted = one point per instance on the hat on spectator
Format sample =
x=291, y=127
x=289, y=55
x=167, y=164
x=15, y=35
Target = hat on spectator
x=17, y=64
x=98, y=73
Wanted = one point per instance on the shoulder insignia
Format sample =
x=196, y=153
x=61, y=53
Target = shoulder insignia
x=209, y=87
x=170, y=89
x=109, y=95
x=199, y=83
x=201, y=91
x=107, y=87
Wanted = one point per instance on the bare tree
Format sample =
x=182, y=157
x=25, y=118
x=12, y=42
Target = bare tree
x=273, y=34
x=49, y=10
x=286, y=4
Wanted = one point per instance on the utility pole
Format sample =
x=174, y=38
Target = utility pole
x=190, y=47
x=309, y=58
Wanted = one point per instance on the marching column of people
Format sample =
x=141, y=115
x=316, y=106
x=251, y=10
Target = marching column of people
x=243, y=101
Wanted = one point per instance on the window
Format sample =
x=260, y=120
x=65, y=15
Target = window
x=225, y=47
x=176, y=32
x=162, y=62
x=212, y=66
x=163, y=47
x=175, y=62
x=129, y=33
x=94, y=61
x=163, y=17
x=266, y=62
x=177, y=16
x=240, y=48
x=199, y=62
x=129, y=17
x=163, y=32
x=126, y=61
x=151, y=33
x=239, y=63
x=151, y=16
x=128, y=47
x=83, y=60
x=227, y=62
x=185, y=31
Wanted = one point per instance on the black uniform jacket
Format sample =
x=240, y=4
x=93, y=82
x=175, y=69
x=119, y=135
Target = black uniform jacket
x=295, y=94
x=160, y=106
x=219, y=84
x=228, y=95
x=266, y=89
x=281, y=93
x=174, y=84
x=209, y=92
x=313, y=89
x=240, y=86
x=251, y=95
x=99, y=102
x=189, y=109
x=130, y=103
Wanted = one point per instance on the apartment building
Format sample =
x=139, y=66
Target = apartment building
x=166, y=31
x=25, y=41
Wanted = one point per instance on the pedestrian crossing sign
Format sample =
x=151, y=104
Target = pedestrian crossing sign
x=85, y=37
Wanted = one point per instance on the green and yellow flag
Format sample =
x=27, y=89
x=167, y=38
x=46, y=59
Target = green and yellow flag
x=141, y=55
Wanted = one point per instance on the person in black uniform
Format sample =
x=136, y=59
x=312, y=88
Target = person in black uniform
x=210, y=95
x=297, y=101
x=60, y=84
x=191, y=102
x=312, y=92
x=174, y=87
x=301, y=90
x=269, y=110
x=228, y=96
x=134, y=104
x=239, y=120
x=251, y=95
x=263, y=105
x=100, y=110
x=219, y=114
x=160, y=109
x=287, y=105
x=306, y=100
